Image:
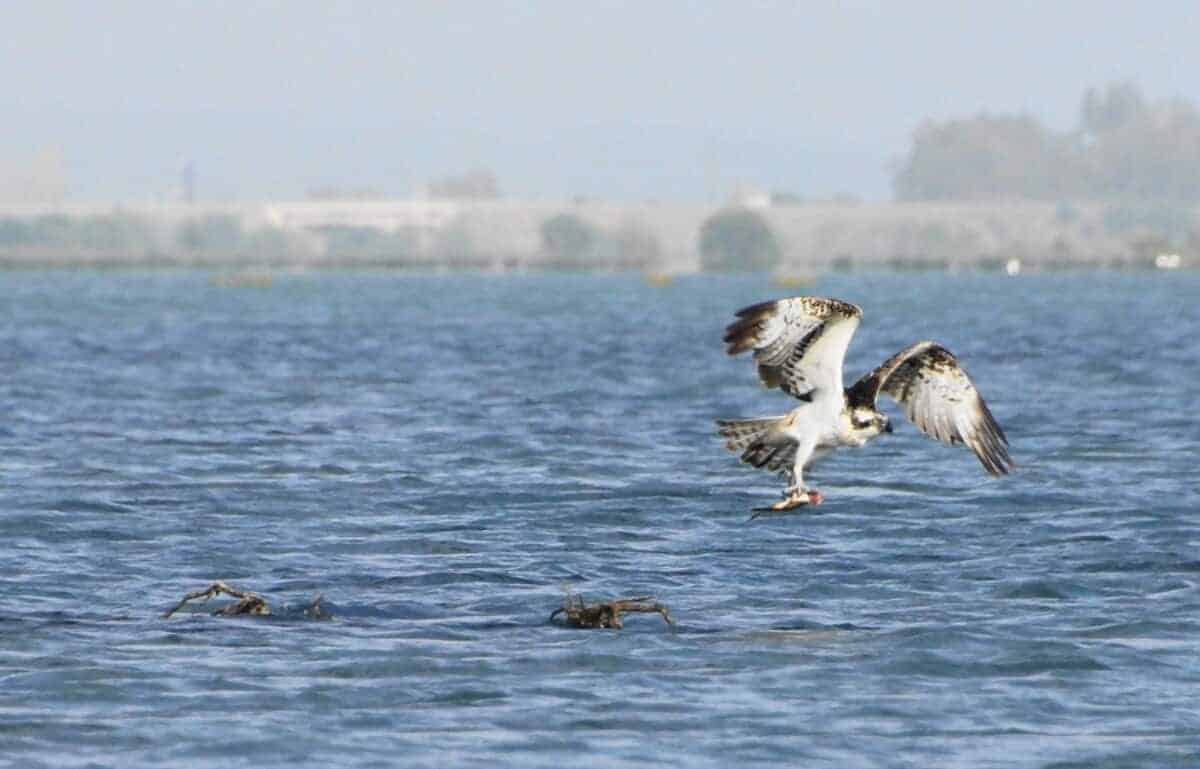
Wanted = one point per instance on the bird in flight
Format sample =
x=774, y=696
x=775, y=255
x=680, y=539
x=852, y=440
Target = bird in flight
x=799, y=346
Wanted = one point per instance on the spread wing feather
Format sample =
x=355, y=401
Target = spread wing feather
x=799, y=343
x=940, y=399
x=760, y=442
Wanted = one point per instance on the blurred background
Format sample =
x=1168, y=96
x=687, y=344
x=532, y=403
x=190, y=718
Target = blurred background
x=669, y=137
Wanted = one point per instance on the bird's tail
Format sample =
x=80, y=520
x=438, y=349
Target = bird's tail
x=756, y=441
x=740, y=433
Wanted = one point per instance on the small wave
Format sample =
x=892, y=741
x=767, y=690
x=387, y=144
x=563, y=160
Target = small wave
x=467, y=697
x=1011, y=664
x=1139, y=629
x=82, y=505
x=197, y=392
x=283, y=469
x=435, y=578
x=1041, y=589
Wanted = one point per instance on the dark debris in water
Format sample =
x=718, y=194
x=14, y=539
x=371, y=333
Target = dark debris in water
x=248, y=603
x=607, y=614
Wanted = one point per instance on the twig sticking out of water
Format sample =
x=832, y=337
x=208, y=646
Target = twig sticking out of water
x=248, y=603
x=607, y=614
x=315, y=611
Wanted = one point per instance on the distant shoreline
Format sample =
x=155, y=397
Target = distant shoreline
x=501, y=235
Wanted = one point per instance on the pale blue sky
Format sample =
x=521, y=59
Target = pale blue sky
x=639, y=100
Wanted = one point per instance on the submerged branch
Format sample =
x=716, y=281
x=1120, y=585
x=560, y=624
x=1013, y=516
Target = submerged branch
x=248, y=603
x=607, y=614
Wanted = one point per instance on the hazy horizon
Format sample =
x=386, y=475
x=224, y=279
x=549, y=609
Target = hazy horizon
x=557, y=99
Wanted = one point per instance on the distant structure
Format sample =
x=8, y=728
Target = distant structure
x=427, y=216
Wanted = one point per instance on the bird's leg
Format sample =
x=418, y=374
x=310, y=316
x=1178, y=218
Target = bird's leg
x=798, y=494
x=794, y=491
x=792, y=498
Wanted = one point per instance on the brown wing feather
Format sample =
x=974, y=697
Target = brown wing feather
x=760, y=442
x=940, y=399
x=799, y=343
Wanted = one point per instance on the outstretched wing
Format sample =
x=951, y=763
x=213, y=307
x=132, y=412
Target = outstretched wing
x=940, y=399
x=799, y=343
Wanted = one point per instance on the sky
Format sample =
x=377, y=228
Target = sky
x=625, y=101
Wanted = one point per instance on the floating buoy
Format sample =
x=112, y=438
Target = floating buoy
x=1168, y=261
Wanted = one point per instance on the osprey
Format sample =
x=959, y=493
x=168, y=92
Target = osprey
x=799, y=345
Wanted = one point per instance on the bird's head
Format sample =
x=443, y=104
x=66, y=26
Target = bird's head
x=864, y=423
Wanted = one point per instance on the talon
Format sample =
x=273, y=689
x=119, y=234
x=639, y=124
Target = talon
x=795, y=500
x=798, y=498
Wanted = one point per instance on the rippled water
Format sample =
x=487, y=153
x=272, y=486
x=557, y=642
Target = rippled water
x=441, y=457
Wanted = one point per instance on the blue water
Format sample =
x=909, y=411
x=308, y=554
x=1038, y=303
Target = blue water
x=442, y=457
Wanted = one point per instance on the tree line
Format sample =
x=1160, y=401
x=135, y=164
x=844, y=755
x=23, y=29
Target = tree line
x=1124, y=147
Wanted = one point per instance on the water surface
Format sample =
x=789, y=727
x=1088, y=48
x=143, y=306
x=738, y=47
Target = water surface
x=441, y=457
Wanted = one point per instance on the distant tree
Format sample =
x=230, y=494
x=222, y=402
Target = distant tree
x=737, y=240
x=985, y=158
x=113, y=232
x=107, y=232
x=476, y=184
x=342, y=240
x=216, y=232
x=52, y=229
x=1139, y=151
x=1171, y=222
x=1125, y=148
x=268, y=243
x=15, y=232
x=636, y=246
x=1118, y=105
x=360, y=244
x=568, y=241
x=457, y=245
x=785, y=198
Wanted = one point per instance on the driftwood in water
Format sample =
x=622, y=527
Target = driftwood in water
x=607, y=614
x=247, y=603
x=314, y=610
